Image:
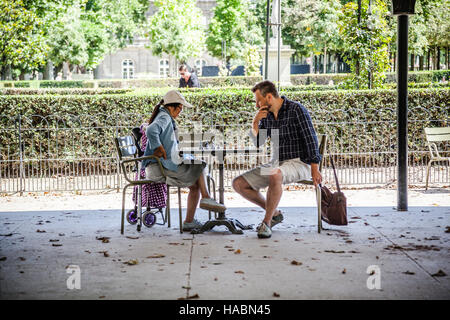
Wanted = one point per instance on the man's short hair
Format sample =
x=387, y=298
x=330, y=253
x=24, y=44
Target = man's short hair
x=183, y=67
x=266, y=87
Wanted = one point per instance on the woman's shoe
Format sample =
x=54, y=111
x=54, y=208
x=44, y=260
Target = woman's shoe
x=212, y=205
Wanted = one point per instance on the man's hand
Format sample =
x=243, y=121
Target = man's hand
x=261, y=114
x=315, y=174
x=160, y=152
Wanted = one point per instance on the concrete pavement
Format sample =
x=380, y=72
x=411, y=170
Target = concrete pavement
x=41, y=237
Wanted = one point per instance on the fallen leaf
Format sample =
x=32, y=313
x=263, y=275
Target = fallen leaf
x=238, y=251
x=432, y=238
x=297, y=239
x=334, y=251
x=228, y=247
x=2, y=258
x=186, y=287
x=132, y=262
x=409, y=272
x=61, y=234
x=297, y=263
x=7, y=235
x=239, y=271
x=101, y=297
x=344, y=271
x=57, y=244
x=22, y=259
x=134, y=238
x=158, y=255
x=349, y=241
x=40, y=231
x=440, y=273
x=276, y=295
x=103, y=239
x=53, y=240
x=105, y=253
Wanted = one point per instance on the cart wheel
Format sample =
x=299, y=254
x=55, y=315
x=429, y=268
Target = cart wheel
x=149, y=219
x=132, y=217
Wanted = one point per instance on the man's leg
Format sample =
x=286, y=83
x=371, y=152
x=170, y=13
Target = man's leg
x=273, y=195
x=241, y=186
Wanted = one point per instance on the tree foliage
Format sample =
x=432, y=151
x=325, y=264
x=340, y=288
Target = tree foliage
x=21, y=38
x=232, y=30
x=176, y=29
x=366, y=43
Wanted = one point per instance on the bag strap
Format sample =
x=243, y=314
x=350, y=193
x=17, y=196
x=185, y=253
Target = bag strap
x=335, y=175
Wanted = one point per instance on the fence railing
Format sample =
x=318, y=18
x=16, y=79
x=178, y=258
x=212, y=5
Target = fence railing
x=73, y=153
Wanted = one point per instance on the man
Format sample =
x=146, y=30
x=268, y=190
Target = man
x=188, y=79
x=298, y=152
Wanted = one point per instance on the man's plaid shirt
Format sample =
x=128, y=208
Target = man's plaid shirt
x=296, y=135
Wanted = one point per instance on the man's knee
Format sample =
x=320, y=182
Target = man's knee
x=195, y=187
x=239, y=184
x=276, y=178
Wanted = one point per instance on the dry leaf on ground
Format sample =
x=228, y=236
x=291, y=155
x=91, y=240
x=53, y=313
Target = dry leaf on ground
x=297, y=263
x=158, y=255
x=276, y=295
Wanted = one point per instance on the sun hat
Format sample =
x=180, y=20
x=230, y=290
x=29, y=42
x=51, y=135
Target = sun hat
x=173, y=96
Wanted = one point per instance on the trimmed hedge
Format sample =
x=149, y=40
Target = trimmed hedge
x=356, y=121
x=206, y=82
x=60, y=91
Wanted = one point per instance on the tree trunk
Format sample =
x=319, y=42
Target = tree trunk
x=447, y=59
x=421, y=63
x=428, y=59
x=48, y=71
x=412, y=62
x=438, y=59
x=325, y=60
x=96, y=72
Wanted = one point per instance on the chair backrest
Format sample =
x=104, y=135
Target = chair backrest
x=322, y=148
x=437, y=134
x=137, y=135
x=125, y=147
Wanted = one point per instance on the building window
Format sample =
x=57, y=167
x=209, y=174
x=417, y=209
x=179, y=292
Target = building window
x=163, y=68
x=199, y=64
x=127, y=69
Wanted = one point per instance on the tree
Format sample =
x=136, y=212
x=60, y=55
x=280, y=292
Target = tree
x=311, y=27
x=366, y=44
x=235, y=28
x=21, y=38
x=176, y=29
x=82, y=32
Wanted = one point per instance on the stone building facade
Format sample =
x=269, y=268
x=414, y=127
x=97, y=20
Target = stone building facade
x=137, y=62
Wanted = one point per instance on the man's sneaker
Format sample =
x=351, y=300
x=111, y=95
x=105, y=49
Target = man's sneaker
x=275, y=220
x=195, y=224
x=264, y=231
x=212, y=205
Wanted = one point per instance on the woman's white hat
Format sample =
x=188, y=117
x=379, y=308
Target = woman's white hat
x=173, y=96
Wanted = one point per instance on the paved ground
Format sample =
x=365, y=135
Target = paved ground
x=41, y=236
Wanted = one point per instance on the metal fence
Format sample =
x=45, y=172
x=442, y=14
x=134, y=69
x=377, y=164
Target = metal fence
x=74, y=153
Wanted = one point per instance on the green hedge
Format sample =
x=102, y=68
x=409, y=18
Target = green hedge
x=60, y=91
x=356, y=121
x=206, y=82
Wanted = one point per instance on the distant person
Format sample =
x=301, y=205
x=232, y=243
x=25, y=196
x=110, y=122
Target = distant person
x=59, y=76
x=188, y=80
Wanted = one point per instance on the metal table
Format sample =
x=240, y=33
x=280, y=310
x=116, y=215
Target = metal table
x=230, y=223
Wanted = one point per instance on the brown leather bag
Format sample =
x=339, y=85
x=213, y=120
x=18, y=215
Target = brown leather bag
x=334, y=205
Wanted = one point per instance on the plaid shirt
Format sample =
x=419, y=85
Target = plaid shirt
x=296, y=135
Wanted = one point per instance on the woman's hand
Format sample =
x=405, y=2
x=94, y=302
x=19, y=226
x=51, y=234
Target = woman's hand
x=160, y=152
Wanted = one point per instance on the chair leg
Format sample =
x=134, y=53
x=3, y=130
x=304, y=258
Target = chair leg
x=209, y=190
x=179, y=210
x=428, y=174
x=319, y=209
x=123, y=209
x=168, y=207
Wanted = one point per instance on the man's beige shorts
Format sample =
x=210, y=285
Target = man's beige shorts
x=293, y=170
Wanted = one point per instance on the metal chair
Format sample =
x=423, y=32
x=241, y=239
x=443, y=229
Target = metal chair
x=322, y=150
x=129, y=153
x=436, y=135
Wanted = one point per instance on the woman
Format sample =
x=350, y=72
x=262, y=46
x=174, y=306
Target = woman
x=162, y=142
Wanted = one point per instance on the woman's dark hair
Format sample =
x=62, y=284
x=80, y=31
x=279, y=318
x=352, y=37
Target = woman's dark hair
x=158, y=107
